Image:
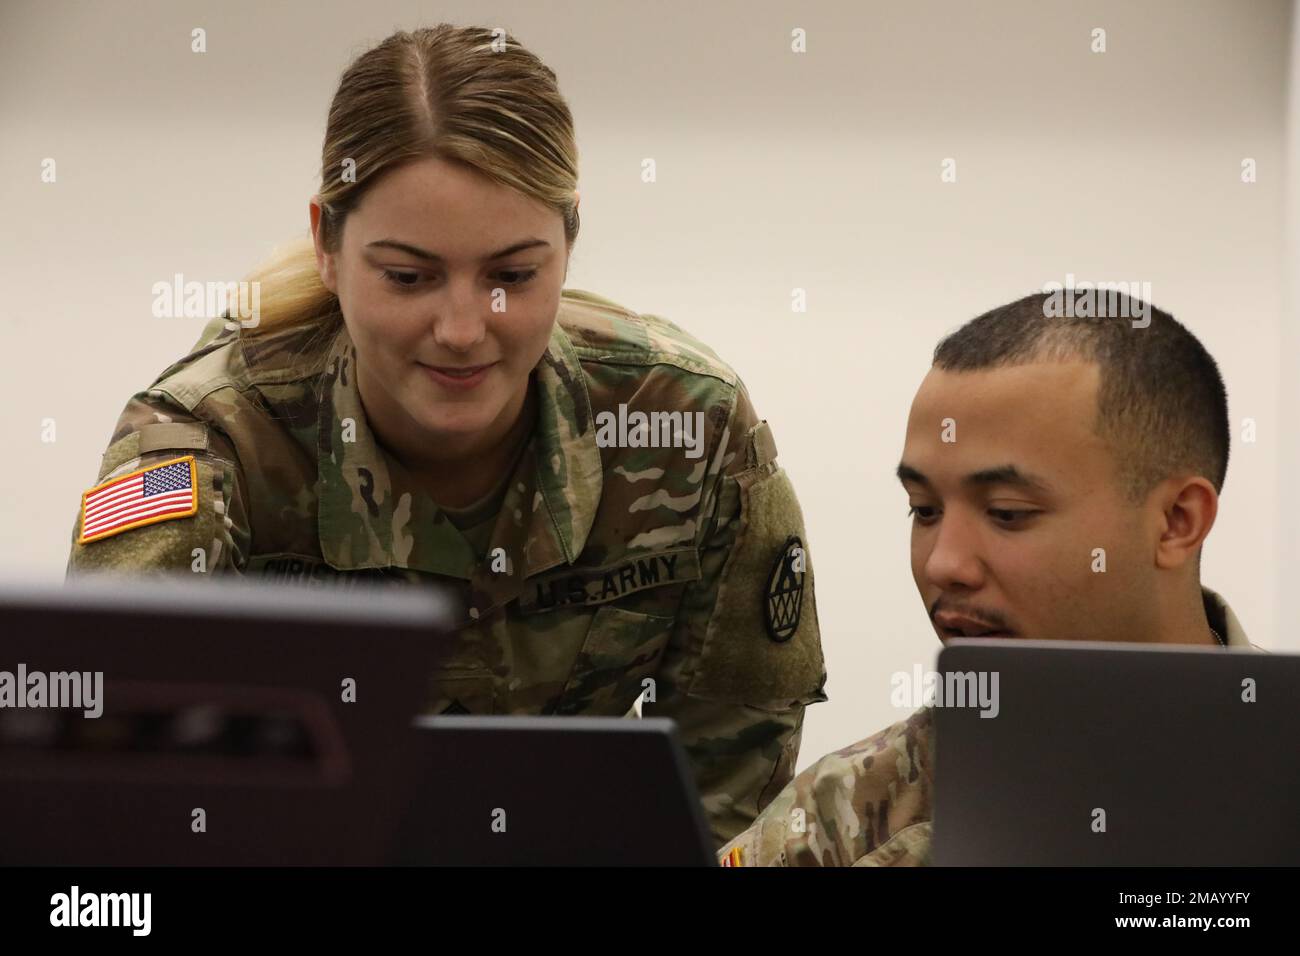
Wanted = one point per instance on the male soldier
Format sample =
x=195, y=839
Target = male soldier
x=1033, y=440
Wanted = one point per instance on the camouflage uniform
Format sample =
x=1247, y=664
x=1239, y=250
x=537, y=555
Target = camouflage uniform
x=870, y=803
x=616, y=564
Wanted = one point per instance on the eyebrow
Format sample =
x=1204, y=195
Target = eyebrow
x=434, y=257
x=1001, y=475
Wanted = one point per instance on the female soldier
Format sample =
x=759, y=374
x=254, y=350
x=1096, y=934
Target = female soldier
x=418, y=398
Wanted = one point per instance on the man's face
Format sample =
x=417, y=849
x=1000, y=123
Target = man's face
x=1008, y=516
x=437, y=360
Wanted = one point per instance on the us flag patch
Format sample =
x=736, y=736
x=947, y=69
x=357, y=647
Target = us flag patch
x=157, y=493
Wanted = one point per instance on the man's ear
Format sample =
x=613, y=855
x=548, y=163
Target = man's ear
x=1189, y=507
x=324, y=260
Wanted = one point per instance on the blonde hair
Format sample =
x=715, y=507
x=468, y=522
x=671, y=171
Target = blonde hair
x=466, y=94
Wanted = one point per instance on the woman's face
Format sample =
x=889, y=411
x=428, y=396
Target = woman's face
x=449, y=284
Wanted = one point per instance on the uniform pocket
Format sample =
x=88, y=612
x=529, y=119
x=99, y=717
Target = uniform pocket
x=622, y=649
x=762, y=646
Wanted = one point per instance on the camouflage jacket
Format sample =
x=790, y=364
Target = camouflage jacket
x=612, y=571
x=870, y=803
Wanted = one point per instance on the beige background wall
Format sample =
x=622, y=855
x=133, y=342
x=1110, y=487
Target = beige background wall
x=776, y=171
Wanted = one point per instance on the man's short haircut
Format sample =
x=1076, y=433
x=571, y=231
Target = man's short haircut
x=1161, y=405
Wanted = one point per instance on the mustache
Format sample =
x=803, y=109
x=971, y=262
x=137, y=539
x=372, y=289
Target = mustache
x=993, y=619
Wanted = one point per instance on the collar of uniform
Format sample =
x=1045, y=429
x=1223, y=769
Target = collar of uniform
x=569, y=471
x=550, y=506
x=1223, y=620
x=366, y=503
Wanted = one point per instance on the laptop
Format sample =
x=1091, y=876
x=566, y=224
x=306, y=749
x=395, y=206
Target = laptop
x=239, y=723
x=1117, y=755
x=554, y=791
x=242, y=723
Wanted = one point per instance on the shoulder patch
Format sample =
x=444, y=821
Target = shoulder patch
x=784, y=598
x=160, y=492
x=762, y=645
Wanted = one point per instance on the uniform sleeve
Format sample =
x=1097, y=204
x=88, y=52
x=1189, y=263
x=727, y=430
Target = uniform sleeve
x=745, y=656
x=868, y=804
x=214, y=538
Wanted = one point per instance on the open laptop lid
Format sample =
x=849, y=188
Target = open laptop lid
x=1118, y=754
x=239, y=723
x=554, y=791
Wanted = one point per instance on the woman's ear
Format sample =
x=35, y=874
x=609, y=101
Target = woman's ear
x=324, y=261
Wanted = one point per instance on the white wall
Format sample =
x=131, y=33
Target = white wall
x=775, y=170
